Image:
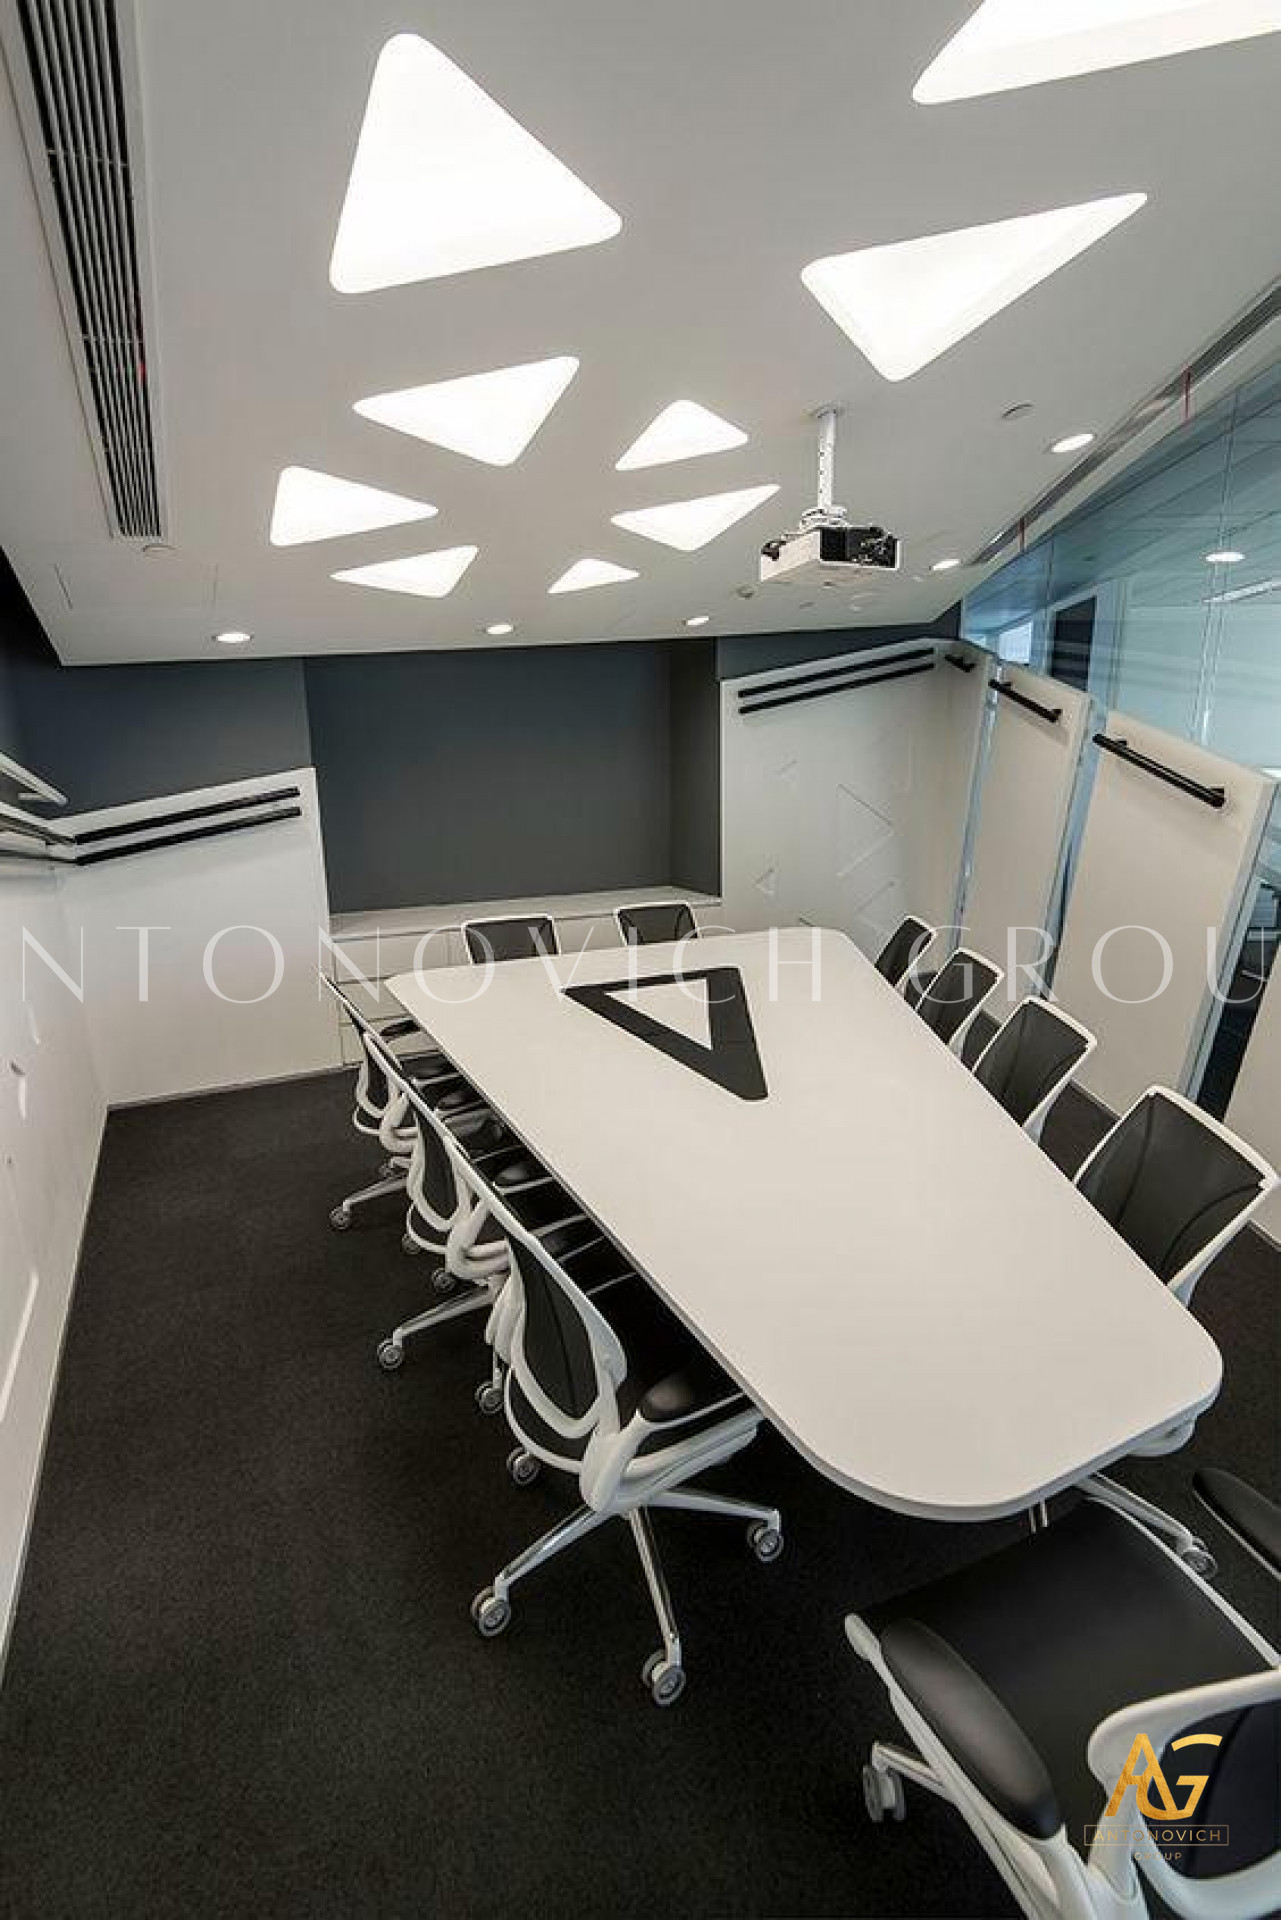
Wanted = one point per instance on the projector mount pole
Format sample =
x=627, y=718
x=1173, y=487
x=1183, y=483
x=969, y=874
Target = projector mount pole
x=825, y=514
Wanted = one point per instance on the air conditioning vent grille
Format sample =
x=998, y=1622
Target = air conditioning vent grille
x=73, y=53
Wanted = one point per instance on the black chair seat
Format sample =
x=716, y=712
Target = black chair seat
x=1082, y=1618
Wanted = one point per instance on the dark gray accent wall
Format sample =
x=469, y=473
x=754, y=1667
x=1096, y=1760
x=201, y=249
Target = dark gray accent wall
x=10, y=727
x=758, y=652
x=106, y=735
x=475, y=775
x=696, y=767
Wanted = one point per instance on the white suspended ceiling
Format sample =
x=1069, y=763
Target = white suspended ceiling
x=685, y=165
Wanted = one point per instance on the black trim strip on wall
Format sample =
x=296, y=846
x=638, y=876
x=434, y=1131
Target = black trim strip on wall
x=208, y=812
x=959, y=661
x=1216, y=797
x=183, y=839
x=845, y=686
x=801, y=681
x=1052, y=714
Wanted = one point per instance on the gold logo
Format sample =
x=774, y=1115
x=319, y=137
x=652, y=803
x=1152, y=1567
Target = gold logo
x=1142, y=1771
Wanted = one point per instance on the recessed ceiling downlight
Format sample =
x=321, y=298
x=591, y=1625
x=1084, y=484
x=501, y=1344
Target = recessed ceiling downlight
x=233, y=638
x=698, y=620
x=688, y=525
x=591, y=573
x=946, y=565
x=446, y=181
x=1020, y=43
x=500, y=629
x=906, y=303
x=319, y=506
x=683, y=431
x=487, y=416
x=432, y=575
x=1072, y=443
x=1224, y=557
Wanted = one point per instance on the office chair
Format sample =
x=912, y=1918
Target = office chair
x=952, y=999
x=1027, y=1685
x=664, y=922
x=1030, y=1060
x=445, y=1217
x=516, y=939
x=904, y=948
x=380, y=1112
x=614, y=1391
x=1177, y=1186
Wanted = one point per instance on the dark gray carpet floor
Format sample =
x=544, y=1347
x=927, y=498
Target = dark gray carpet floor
x=243, y=1679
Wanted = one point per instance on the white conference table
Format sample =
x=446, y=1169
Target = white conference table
x=912, y=1293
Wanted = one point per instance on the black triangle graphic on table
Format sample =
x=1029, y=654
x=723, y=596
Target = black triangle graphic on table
x=732, y=1060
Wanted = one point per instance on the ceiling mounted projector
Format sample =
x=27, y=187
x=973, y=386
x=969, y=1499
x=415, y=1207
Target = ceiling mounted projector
x=826, y=549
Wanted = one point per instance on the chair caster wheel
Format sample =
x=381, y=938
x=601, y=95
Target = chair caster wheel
x=489, y=1397
x=443, y=1281
x=410, y=1246
x=491, y=1614
x=390, y=1356
x=765, y=1541
x=1200, y=1559
x=664, y=1678
x=523, y=1467
x=340, y=1219
x=882, y=1794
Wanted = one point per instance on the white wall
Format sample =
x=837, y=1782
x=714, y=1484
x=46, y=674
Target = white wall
x=185, y=1038
x=1023, y=815
x=51, y=1116
x=846, y=811
x=1155, y=862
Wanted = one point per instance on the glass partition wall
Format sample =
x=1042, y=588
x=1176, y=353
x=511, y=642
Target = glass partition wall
x=1162, y=597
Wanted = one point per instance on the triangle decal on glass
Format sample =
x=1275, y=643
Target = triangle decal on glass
x=730, y=1059
x=431, y=575
x=445, y=181
x=683, y=431
x=311, y=505
x=688, y=525
x=487, y=416
x=906, y=303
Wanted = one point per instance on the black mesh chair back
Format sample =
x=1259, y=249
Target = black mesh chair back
x=564, y=1357
x=1032, y=1055
x=1238, y=1816
x=956, y=992
x=903, y=949
x=510, y=939
x=438, y=1186
x=1173, y=1183
x=665, y=922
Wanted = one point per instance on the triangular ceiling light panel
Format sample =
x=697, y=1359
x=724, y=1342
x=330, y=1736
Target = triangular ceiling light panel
x=488, y=416
x=445, y=181
x=319, y=506
x=682, y=431
x=906, y=303
x=1020, y=43
x=691, y=524
x=431, y=575
x=591, y=573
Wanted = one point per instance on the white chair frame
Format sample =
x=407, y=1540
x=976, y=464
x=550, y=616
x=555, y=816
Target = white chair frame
x=1034, y=1125
x=1189, y=1546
